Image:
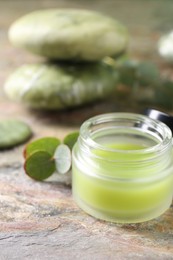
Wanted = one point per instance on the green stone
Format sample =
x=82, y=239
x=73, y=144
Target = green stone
x=165, y=47
x=58, y=86
x=13, y=132
x=69, y=34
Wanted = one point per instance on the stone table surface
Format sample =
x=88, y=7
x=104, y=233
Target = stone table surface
x=40, y=220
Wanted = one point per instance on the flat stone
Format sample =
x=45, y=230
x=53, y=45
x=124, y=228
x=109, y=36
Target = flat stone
x=69, y=34
x=57, y=86
x=165, y=47
x=13, y=132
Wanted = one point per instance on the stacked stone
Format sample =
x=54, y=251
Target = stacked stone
x=74, y=43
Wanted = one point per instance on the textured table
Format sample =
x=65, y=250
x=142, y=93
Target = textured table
x=40, y=220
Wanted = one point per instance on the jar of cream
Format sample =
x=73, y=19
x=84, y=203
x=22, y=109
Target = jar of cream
x=122, y=167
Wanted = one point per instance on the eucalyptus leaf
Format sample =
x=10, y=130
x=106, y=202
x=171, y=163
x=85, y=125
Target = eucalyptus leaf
x=62, y=158
x=136, y=73
x=40, y=165
x=48, y=144
x=147, y=73
x=71, y=139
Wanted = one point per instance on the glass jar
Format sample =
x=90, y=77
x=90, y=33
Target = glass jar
x=122, y=169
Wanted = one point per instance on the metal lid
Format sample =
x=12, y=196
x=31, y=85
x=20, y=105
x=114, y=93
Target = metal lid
x=158, y=115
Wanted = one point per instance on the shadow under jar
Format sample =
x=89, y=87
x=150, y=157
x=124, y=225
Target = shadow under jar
x=123, y=168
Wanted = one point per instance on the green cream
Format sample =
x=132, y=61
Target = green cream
x=134, y=197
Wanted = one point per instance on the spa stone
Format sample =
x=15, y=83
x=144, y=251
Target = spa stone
x=165, y=47
x=57, y=86
x=13, y=132
x=69, y=34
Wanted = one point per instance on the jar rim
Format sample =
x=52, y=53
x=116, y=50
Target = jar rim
x=86, y=134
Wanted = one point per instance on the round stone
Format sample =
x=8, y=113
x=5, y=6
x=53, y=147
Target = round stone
x=13, y=132
x=58, y=86
x=69, y=34
x=165, y=47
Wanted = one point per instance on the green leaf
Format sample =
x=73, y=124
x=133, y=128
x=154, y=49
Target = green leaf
x=71, y=139
x=127, y=72
x=40, y=165
x=48, y=144
x=62, y=158
x=147, y=73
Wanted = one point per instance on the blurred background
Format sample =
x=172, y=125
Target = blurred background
x=146, y=20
